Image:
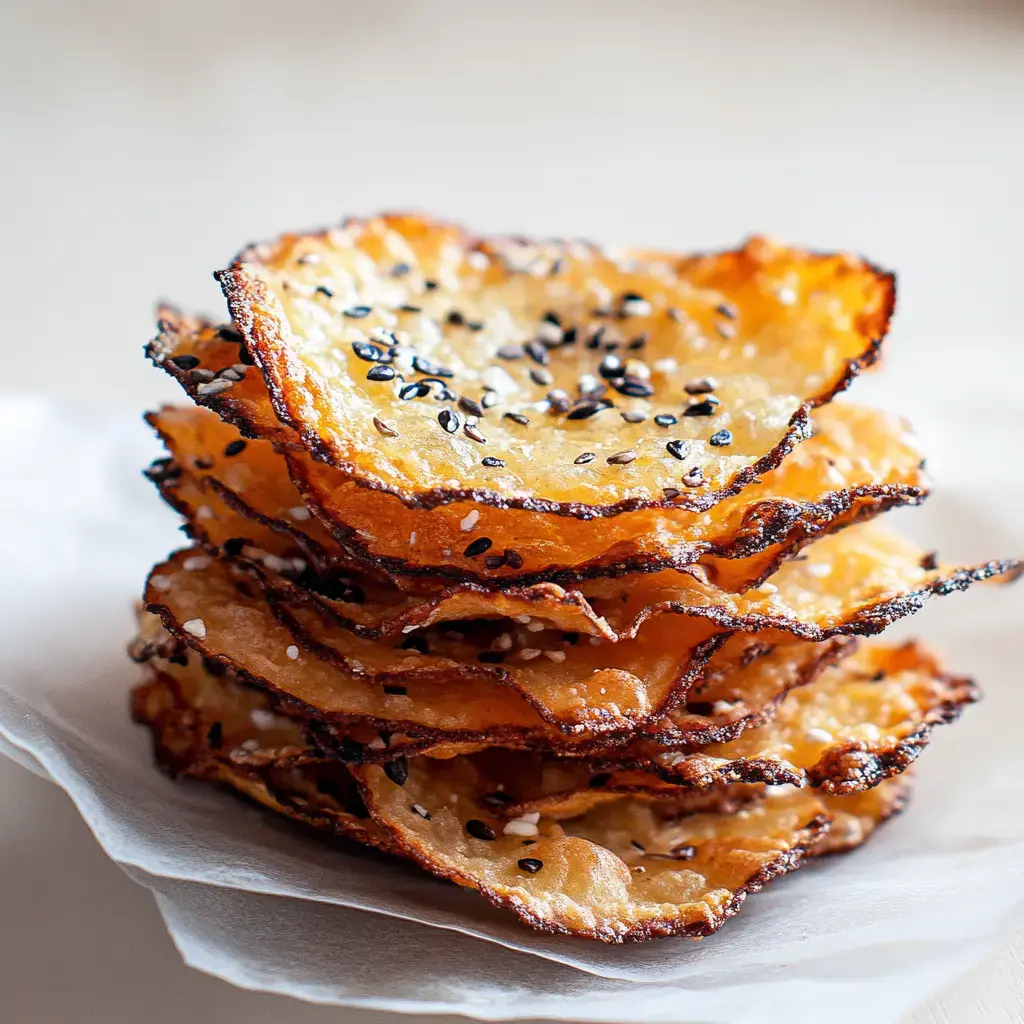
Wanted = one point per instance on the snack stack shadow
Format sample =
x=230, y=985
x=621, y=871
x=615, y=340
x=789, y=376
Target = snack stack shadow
x=545, y=567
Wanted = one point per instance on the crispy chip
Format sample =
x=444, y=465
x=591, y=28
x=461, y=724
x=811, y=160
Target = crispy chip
x=826, y=484
x=626, y=871
x=321, y=311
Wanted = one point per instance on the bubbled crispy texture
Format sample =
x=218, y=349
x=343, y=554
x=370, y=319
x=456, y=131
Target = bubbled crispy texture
x=779, y=330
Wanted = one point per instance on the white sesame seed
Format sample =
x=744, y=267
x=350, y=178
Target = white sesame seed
x=549, y=332
x=299, y=512
x=276, y=564
x=196, y=627
x=470, y=521
x=503, y=643
x=555, y=655
x=523, y=618
x=262, y=719
x=768, y=588
x=196, y=563
x=721, y=707
x=819, y=735
x=636, y=307
x=535, y=627
x=292, y=651
x=161, y=583
x=519, y=827
x=529, y=653
x=250, y=746
x=531, y=816
x=204, y=512
x=412, y=537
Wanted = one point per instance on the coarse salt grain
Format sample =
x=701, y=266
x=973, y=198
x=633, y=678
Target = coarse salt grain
x=262, y=719
x=196, y=563
x=520, y=827
x=161, y=583
x=292, y=651
x=195, y=627
x=299, y=512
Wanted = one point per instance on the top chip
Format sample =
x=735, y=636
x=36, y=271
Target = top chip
x=549, y=376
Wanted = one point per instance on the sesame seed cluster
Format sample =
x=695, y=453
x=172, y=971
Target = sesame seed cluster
x=543, y=565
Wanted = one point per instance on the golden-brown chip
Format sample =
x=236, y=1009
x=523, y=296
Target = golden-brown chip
x=367, y=366
x=859, y=463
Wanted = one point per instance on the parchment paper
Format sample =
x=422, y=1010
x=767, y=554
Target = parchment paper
x=871, y=933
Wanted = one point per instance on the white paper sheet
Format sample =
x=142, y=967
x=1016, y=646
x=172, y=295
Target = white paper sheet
x=870, y=933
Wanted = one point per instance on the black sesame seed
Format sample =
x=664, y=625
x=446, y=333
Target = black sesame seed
x=450, y=420
x=180, y=659
x=406, y=308
x=569, y=336
x=634, y=416
x=559, y=401
x=184, y=362
x=621, y=458
x=685, y=851
x=694, y=478
x=542, y=377
x=637, y=343
x=489, y=399
x=380, y=373
x=721, y=438
x=325, y=291
x=230, y=335
x=582, y=460
x=531, y=865
x=537, y=352
x=215, y=736
x=395, y=691
x=478, y=547
x=470, y=406
x=930, y=561
x=513, y=559
x=590, y=387
x=611, y=368
x=494, y=561
x=423, y=365
x=701, y=386
x=631, y=387
x=358, y=312
x=638, y=846
x=551, y=317
x=234, y=448
x=370, y=353
x=671, y=493
x=518, y=417
x=201, y=376
x=665, y=419
x=491, y=657
x=417, y=389
x=455, y=318
x=510, y=352
x=726, y=331
x=492, y=463
x=397, y=771
x=678, y=449
x=232, y=547
x=727, y=310
x=705, y=408
x=584, y=410
x=594, y=341
x=498, y=799
x=429, y=285
x=383, y=428
x=415, y=643
x=473, y=434
x=480, y=830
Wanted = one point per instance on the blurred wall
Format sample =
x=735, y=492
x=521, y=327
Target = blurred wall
x=143, y=143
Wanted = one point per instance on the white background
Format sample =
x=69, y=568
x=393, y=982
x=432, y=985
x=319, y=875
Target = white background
x=142, y=144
